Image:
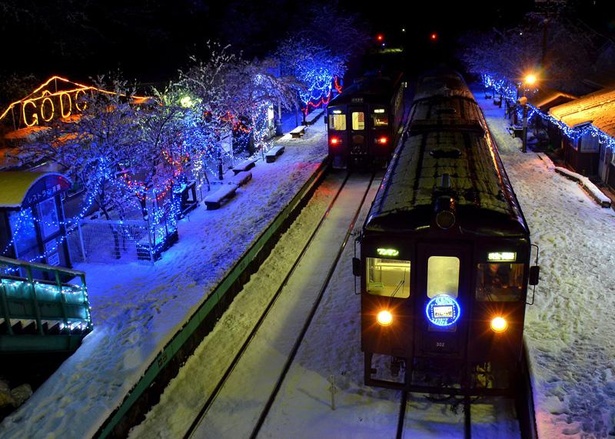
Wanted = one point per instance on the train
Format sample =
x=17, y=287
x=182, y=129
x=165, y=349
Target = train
x=364, y=121
x=444, y=259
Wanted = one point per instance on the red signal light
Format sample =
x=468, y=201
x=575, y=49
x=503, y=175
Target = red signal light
x=384, y=140
x=433, y=36
x=335, y=141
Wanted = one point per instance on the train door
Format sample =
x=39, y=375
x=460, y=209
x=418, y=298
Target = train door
x=381, y=143
x=338, y=138
x=357, y=133
x=442, y=301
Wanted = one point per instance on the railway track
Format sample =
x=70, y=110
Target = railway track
x=255, y=369
x=473, y=413
x=305, y=300
x=288, y=288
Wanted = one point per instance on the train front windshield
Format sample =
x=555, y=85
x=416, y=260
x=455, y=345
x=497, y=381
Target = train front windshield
x=380, y=118
x=388, y=277
x=337, y=121
x=499, y=282
x=496, y=282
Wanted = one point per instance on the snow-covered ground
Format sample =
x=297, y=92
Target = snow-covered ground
x=137, y=307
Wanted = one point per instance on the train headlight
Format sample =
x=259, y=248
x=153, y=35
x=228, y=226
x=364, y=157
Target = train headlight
x=499, y=324
x=384, y=318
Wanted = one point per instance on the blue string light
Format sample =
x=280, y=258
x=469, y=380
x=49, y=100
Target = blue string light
x=510, y=90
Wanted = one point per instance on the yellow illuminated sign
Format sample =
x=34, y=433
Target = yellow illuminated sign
x=387, y=252
x=48, y=102
x=502, y=256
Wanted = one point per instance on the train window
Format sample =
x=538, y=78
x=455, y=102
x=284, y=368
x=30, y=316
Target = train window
x=358, y=120
x=388, y=277
x=380, y=119
x=337, y=122
x=499, y=282
x=443, y=276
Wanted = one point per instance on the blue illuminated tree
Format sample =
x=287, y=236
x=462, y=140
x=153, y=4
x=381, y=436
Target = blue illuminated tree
x=317, y=51
x=345, y=34
x=162, y=162
x=314, y=66
x=259, y=88
x=231, y=96
x=211, y=97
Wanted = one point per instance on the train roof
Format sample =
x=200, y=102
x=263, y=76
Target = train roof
x=448, y=153
x=441, y=82
x=370, y=89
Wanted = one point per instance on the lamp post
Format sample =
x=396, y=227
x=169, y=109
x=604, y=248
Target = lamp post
x=220, y=167
x=529, y=80
x=523, y=102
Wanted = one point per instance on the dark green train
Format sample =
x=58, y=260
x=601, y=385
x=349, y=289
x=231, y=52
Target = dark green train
x=445, y=254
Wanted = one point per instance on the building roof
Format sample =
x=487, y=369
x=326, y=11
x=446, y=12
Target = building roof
x=24, y=188
x=597, y=109
x=546, y=98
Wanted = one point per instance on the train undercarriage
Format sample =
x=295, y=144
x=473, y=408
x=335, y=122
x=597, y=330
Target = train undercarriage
x=438, y=376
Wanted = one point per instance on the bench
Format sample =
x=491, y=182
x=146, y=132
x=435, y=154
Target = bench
x=241, y=178
x=244, y=166
x=298, y=132
x=274, y=153
x=515, y=131
x=216, y=198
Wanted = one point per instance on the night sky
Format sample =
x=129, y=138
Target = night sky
x=156, y=38
x=151, y=40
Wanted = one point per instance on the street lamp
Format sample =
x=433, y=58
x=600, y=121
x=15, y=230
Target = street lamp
x=529, y=80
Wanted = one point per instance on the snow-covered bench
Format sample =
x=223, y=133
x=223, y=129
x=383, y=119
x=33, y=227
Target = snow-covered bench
x=216, y=198
x=298, y=131
x=227, y=191
x=241, y=178
x=274, y=153
x=244, y=166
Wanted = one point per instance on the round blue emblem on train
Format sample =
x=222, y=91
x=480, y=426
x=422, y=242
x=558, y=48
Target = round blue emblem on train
x=443, y=310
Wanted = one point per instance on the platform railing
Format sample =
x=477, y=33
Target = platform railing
x=42, y=301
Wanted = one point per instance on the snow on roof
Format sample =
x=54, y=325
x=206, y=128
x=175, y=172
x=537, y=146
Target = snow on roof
x=546, y=98
x=26, y=133
x=597, y=108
